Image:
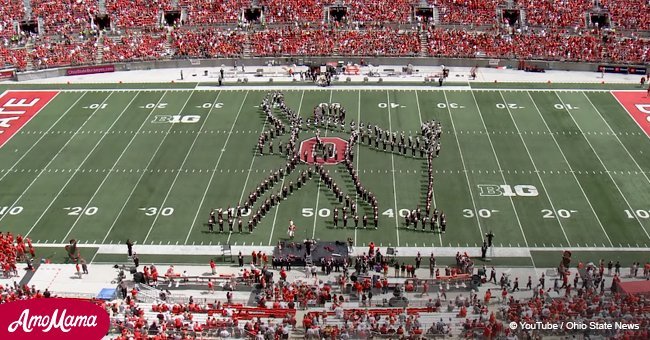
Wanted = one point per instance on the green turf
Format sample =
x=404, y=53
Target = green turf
x=101, y=176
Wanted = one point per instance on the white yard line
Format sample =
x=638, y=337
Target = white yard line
x=417, y=100
x=53, y=158
x=248, y=175
x=313, y=233
x=275, y=216
x=571, y=169
x=604, y=167
x=81, y=164
x=178, y=173
x=43, y=135
x=514, y=209
x=557, y=217
x=392, y=164
x=356, y=167
x=126, y=201
x=462, y=160
x=214, y=170
x=109, y=172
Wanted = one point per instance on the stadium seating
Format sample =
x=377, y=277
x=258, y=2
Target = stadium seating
x=628, y=14
x=134, y=47
x=204, y=12
x=64, y=16
x=467, y=12
x=383, y=42
x=48, y=53
x=137, y=13
x=207, y=43
x=294, y=10
x=13, y=57
x=292, y=41
x=554, y=13
x=10, y=11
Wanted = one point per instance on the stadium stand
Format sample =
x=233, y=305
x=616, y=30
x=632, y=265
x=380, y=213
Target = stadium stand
x=134, y=47
x=10, y=11
x=205, y=12
x=50, y=53
x=632, y=14
x=280, y=11
x=467, y=12
x=207, y=43
x=384, y=42
x=292, y=41
x=64, y=16
x=549, y=13
x=137, y=13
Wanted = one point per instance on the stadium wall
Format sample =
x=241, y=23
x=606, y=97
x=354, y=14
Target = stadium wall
x=381, y=61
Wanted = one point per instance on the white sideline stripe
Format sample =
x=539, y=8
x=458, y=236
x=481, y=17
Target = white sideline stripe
x=109, y=173
x=571, y=170
x=43, y=136
x=402, y=251
x=337, y=88
x=187, y=154
x=605, y=167
x=214, y=171
x=140, y=178
x=56, y=197
x=548, y=196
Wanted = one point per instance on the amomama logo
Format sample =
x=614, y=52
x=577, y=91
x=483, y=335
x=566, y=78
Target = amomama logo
x=53, y=318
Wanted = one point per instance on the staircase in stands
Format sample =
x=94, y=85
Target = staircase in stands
x=247, y=46
x=99, y=54
x=424, y=42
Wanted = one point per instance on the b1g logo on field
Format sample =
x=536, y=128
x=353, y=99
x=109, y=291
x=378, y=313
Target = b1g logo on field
x=308, y=146
x=521, y=190
x=176, y=119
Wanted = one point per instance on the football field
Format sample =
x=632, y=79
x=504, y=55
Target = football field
x=539, y=168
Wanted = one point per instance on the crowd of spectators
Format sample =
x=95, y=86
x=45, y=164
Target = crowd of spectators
x=563, y=13
x=207, y=43
x=467, y=12
x=10, y=11
x=13, y=57
x=136, y=13
x=206, y=12
x=293, y=10
x=133, y=46
x=64, y=16
x=293, y=41
x=628, y=14
x=385, y=42
x=12, y=251
x=545, y=45
x=379, y=10
x=49, y=53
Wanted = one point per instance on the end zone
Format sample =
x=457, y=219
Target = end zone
x=17, y=108
x=637, y=105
